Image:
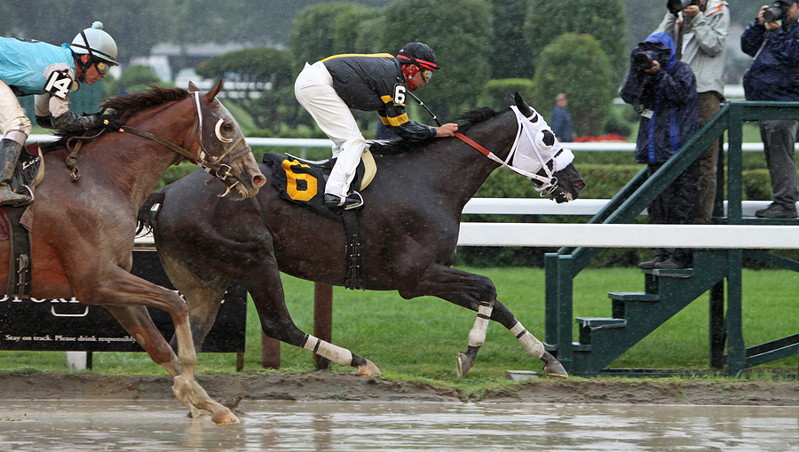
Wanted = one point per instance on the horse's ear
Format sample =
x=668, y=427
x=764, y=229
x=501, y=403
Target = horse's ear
x=210, y=95
x=193, y=87
x=521, y=104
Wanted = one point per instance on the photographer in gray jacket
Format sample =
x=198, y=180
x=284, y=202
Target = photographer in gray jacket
x=700, y=29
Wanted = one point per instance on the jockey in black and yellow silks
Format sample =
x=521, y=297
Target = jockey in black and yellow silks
x=374, y=82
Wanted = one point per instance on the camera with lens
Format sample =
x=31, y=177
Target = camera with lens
x=777, y=11
x=643, y=60
x=675, y=6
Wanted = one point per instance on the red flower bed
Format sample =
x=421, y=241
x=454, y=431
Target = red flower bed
x=614, y=137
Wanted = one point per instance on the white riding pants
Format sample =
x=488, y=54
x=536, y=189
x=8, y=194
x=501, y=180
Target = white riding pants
x=314, y=91
x=13, y=121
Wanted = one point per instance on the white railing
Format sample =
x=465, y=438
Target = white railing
x=325, y=143
x=590, y=235
x=605, y=235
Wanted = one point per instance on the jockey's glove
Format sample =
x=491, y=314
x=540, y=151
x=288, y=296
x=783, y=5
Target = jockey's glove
x=108, y=122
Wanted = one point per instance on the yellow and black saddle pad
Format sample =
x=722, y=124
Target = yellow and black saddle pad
x=303, y=181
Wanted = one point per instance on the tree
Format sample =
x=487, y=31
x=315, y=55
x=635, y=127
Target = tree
x=328, y=29
x=134, y=79
x=263, y=82
x=577, y=65
x=495, y=92
x=511, y=56
x=459, y=36
x=602, y=19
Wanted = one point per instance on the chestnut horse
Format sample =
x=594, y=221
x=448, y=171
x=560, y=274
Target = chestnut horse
x=409, y=231
x=82, y=231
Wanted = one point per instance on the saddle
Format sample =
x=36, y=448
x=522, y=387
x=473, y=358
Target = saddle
x=302, y=181
x=15, y=225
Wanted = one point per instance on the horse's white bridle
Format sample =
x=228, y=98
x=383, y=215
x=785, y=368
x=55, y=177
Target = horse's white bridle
x=529, y=154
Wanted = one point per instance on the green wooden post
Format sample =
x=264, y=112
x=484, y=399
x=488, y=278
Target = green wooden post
x=565, y=312
x=736, y=350
x=717, y=336
x=735, y=164
x=551, y=298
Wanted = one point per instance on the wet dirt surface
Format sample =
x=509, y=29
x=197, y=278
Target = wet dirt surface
x=229, y=389
x=328, y=411
x=396, y=426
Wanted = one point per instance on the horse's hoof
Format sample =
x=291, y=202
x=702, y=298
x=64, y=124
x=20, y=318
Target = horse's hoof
x=462, y=365
x=553, y=367
x=225, y=418
x=368, y=370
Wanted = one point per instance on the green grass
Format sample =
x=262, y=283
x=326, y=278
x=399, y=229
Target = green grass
x=418, y=339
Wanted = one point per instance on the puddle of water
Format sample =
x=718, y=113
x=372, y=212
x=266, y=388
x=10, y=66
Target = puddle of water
x=396, y=426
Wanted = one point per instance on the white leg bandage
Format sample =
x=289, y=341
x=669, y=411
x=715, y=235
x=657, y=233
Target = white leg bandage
x=477, y=335
x=533, y=346
x=334, y=353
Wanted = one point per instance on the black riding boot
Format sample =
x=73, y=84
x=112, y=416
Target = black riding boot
x=9, y=154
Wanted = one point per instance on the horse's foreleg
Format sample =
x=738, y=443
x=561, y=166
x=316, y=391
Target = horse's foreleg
x=552, y=367
x=125, y=290
x=477, y=336
x=138, y=323
x=467, y=290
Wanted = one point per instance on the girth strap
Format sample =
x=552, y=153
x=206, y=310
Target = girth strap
x=355, y=260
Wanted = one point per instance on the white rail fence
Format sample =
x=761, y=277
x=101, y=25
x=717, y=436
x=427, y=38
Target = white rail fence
x=589, y=235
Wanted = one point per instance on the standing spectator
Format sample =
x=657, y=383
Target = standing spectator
x=561, y=120
x=700, y=32
x=774, y=75
x=663, y=90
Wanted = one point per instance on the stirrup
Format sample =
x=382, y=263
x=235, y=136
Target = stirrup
x=20, y=199
x=354, y=201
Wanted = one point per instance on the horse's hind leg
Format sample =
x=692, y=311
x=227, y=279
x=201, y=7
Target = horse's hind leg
x=266, y=290
x=203, y=297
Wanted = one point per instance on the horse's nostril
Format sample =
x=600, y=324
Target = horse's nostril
x=579, y=184
x=258, y=180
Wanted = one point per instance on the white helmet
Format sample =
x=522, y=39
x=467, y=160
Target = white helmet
x=95, y=42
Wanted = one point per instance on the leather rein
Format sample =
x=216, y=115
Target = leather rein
x=213, y=164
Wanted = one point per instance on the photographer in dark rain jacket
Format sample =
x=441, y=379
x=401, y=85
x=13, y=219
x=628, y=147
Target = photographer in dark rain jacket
x=662, y=90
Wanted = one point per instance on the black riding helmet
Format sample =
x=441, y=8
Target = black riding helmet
x=420, y=54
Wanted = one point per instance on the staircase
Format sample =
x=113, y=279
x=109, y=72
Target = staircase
x=636, y=314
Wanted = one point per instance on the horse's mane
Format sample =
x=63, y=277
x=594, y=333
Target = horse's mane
x=125, y=107
x=471, y=118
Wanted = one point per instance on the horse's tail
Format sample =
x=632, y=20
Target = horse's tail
x=146, y=219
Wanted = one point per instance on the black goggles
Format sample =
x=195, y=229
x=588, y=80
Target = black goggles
x=102, y=67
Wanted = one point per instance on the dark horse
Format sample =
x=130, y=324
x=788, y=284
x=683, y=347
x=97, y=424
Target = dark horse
x=409, y=228
x=83, y=230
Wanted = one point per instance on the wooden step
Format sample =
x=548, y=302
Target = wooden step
x=633, y=296
x=589, y=324
x=671, y=273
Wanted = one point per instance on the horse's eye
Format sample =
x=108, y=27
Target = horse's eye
x=224, y=130
x=534, y=119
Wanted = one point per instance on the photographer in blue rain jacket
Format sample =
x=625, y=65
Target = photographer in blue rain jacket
x=662, y=90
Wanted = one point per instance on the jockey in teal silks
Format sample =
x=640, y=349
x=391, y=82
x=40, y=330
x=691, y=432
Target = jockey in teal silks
x=49, y=73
